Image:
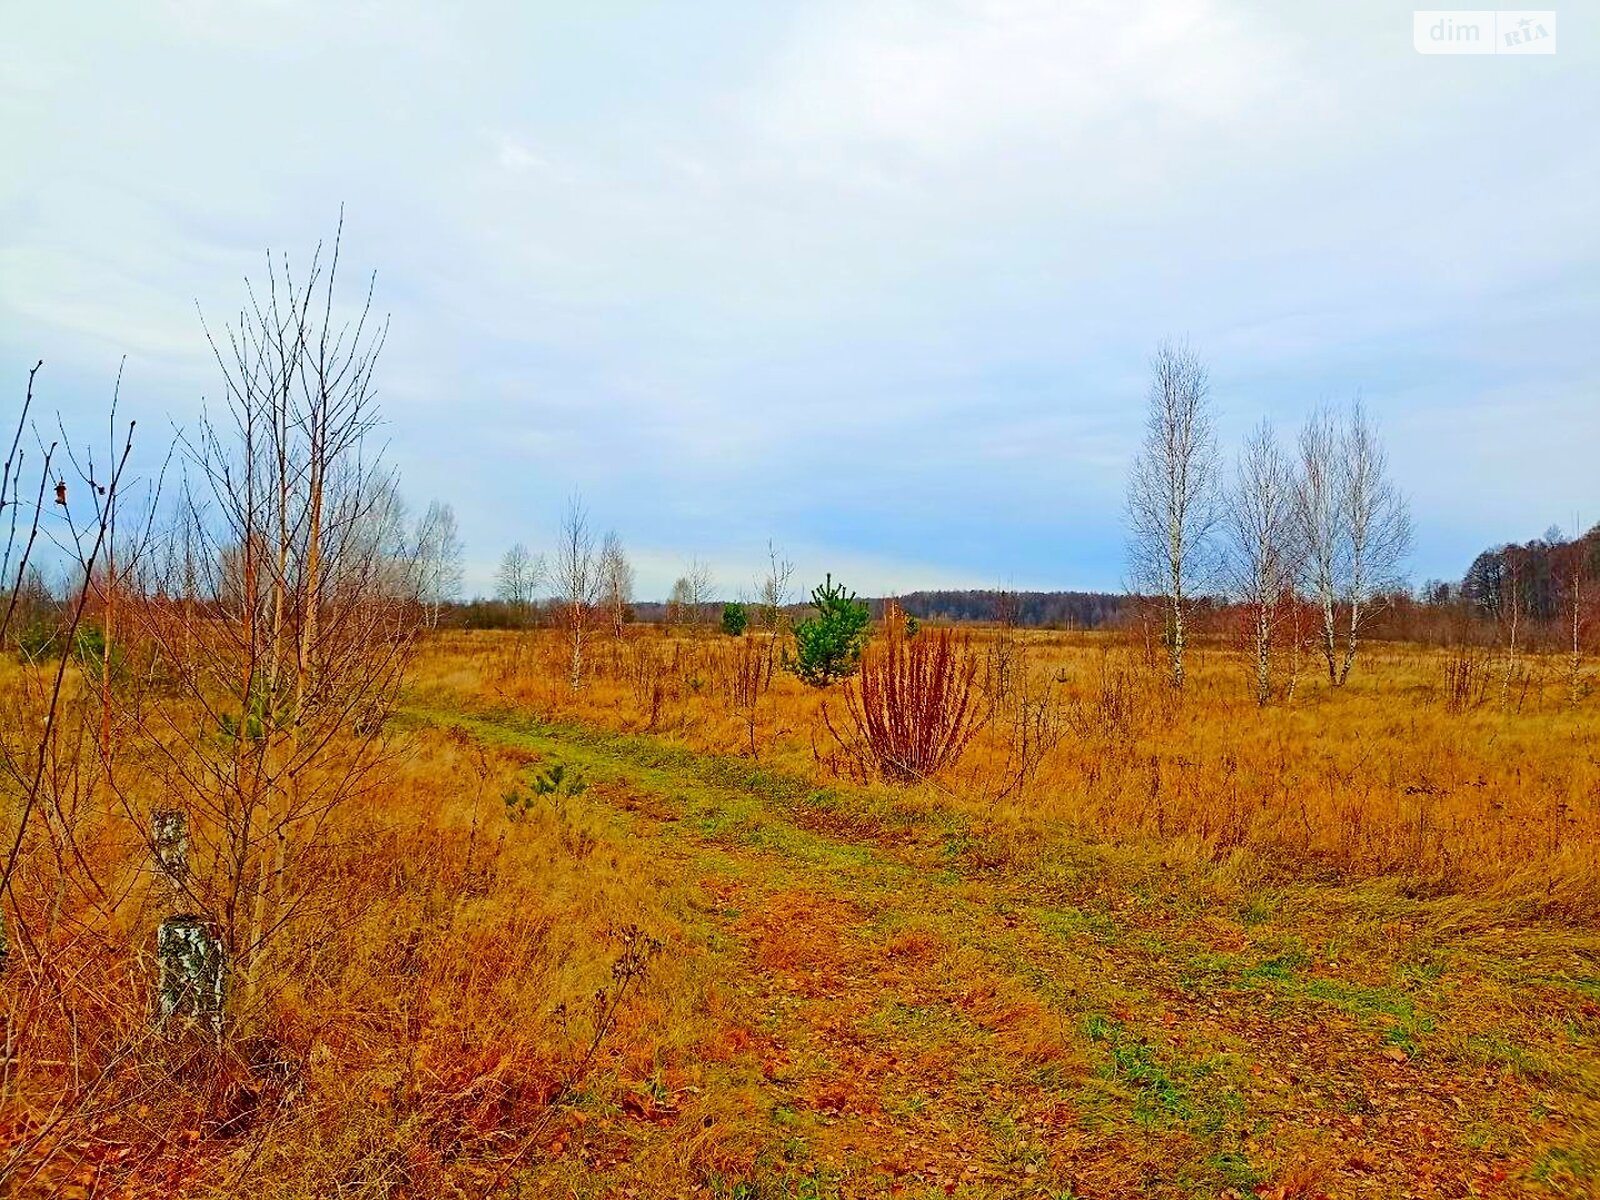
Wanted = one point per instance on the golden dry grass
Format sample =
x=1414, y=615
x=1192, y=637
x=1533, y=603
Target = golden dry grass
x=1343, y=947
x=1378, y=778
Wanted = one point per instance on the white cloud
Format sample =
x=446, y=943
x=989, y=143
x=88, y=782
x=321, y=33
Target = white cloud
x=943, y=83
x=739, y=267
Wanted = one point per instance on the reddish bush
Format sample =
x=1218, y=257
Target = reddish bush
x=914, y=707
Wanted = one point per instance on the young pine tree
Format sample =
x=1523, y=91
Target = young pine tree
x=828, y=646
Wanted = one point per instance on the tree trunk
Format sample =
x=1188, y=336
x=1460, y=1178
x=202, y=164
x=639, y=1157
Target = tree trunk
x=1330, y=639
x=1263, y=653
x=576, y=679
x=1179, y=641
x=1350, y=643
x=1575, y=674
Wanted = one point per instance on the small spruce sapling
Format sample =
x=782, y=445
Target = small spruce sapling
x=555, y=784
x=735, y=618
x=828, y=646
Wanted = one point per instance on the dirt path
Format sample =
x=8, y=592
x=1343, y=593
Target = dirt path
x=904, y=1022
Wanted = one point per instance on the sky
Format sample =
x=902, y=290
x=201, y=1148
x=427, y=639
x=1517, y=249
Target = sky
x=876, y=281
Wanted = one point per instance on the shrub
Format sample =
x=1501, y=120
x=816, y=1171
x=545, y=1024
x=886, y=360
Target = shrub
x=38, y=640
x=1465, y=680
x=743, y=671
x=913, y=709
x=734, y=619
x=828, y=646
x=90, y=645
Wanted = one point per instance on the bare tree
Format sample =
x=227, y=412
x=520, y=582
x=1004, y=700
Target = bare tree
x=1570, y=574
x=1510, y=566
x=1264, y=549
x=20, y=535
x=616, y=582
x=287, y=610
x=774, y=589
x=273, y=615
x=1173, y=501
x=438, y=559
x=34, y=754
x=690, y=597
x=1319, y=504
x=1356, y=528
x=578, y=582
x=680, y=603
x=54, y=759
x=383, y=534
x=700, y=588
x=518, y=579
x=1379, y=524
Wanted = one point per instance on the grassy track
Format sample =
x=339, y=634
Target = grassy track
x=904, y=1017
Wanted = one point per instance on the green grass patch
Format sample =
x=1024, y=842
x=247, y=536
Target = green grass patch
x=1168, y=1090
x=1394, y=1012
x=1074, y=924
x=1278, y=969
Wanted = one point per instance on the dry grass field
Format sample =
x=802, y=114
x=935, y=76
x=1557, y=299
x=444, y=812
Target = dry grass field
x=929, y=600
x=666, y=936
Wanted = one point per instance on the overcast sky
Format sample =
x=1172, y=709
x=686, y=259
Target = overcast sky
x=878, y=281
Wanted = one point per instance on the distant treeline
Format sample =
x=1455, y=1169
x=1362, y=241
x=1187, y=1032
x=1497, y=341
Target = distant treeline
x=1439, y=613
x=1531, y=583
x=1043, y=610
x=1533, y=580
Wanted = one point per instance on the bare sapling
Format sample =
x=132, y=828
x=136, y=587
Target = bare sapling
x=745, y=669
x=1002, y=651
x=1571, y=569
x=284, y=616
x=775, y=591
x=57, y=902
x=774, y=594
x=1033, y=720
x=1511, y=582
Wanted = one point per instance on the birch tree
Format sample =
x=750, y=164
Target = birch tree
x=578, y=582
x=518, y=579
x=439, y=564
x=616, y=582
x=1264, y=548
x=1356, y=528
x=701, y=584
x=1378, y=523
x=1570, y=575
x=1509, y=587
x=1319, y=504
x=678, y=602
x=1173, y=496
